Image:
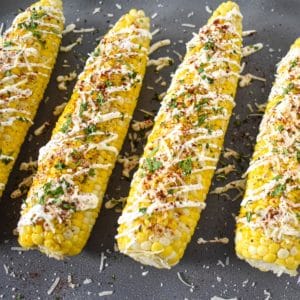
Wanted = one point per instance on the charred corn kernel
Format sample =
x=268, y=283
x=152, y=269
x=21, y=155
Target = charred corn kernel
x=169, y=189
x=27, y=55
x=74, y=167
x=269, y=215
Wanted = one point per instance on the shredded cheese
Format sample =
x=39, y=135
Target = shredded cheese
x=158, y=45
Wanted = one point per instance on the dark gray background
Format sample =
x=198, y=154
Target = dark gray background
x=31, y=273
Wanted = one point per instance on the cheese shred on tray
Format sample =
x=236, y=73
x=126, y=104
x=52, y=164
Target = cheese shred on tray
x=268, y=227
x=28, y=51
x=169, y=189
x=74, y=167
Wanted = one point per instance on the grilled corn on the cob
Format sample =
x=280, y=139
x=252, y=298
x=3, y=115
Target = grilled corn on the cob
x=169, y=189
x=268, y=227
x=27, y=55
x=74, y=167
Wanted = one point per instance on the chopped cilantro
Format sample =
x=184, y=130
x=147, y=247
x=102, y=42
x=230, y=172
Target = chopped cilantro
x=90, y=129
x=201, y=69
x=7, y=73
x=277, y=177
x=201, y=103
x=108, y=83
x=152, y=164
x=280, y=128
x=6, y=160
x=66, y=125
x=249, y=216
x=23, y=119
x=288, y=88
x=100, y=99
x=91, y=172
x=170, y=191
x=83, y=108
x=210, y=45
x=186, y=166
x=201, y=119
x=294, y=63
x=210, y=80
x=97, y=52
x=69, y=206
x=37, y=15
x=60, y=166
x=132, y=75
x=7, y=44
x=279, y=190
x=172, y=103
x=143, y=210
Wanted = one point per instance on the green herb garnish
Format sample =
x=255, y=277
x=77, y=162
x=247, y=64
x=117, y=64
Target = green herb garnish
x=201, y=119
x=60, y=166
x=82, y=109
x=90, y=129
x=66, y=125
x=186, y=166
x=210, y=45
x=279, y=190
x=152, y=164
x=249, y=216
x=143, y=210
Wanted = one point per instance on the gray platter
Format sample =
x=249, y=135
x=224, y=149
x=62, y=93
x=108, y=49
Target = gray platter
x=30, y=274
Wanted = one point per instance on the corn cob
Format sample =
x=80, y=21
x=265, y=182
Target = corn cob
x=169, y=189
x=28, y=52
x=268, y=227
x=74, y=167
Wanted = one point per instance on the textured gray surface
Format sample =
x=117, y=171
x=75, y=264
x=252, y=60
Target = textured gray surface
x=31, y=273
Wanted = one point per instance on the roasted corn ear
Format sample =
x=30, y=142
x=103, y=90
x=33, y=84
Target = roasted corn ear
x=75, y=165
x=268, y=226
x=169, y=189
x=28, y=51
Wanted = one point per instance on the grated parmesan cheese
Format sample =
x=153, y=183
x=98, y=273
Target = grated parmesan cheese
x=246, y=79
x=59, y=109
x=230, y=153
x=160, y=63
x=188, y=25
x=226, y=170
x=105, y=293
x=53, y=286
x=69, y=28
x=235, y=184
x=248, y=50
x=223, y=240
x=129, y=163
x=63, y=79
x=71, y=46
x=248, y=33
x=158, y=45
x=41, y=129
x=141, y=125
